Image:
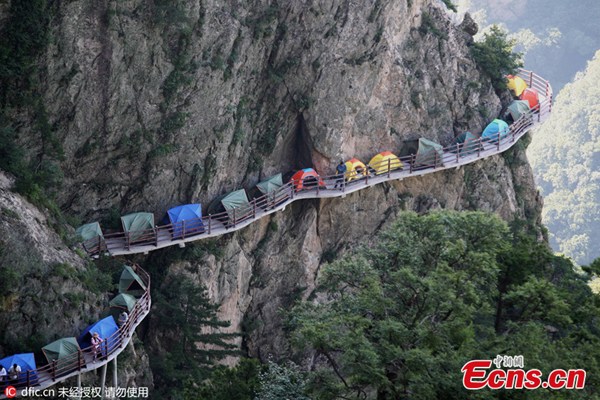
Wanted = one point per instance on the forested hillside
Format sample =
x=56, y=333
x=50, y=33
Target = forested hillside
x=557, y=36
x=567, y=166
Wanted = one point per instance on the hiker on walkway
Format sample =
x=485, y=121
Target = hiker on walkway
x=123, y=317
x=341, y=171
x=13, y=373
x=96, y=342
x=3, y=376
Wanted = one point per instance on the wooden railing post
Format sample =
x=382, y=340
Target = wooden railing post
x=209, y=220
x=28, y=378
x=458, y=151
x=155, y=236
x=389, y=166
x=183, y=229
x=530, y=78
x=79, y=359
x=498, y=143
x=479, y=146
x=127, y=241
x=412, y=163
x=367, y=173
x=234, y=217
x=254, y=207
x=435, y=159
x=54, y=363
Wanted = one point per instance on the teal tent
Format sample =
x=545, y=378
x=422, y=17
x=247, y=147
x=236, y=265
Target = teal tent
x=271, y=184
x=65, y=352
x=236, y=205
x=131, y=283
x=517, y=108
x=429, y=153
x=121, y=302
x=496, y=128
x=135, y=224
x=89, y=231
x=468, y=143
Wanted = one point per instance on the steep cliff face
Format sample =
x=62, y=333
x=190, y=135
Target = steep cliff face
x=165, y=102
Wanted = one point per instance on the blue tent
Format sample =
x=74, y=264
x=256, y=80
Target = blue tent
x=27, y=363
x=105, y=327
x=186, y=220
x=495, y=127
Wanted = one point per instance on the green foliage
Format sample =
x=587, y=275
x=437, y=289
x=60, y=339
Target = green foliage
x=450, y=5
x=494, y=54
x=565, y=156
x=282, y=381
x=186, y=315
x=428, y=26
x=435, y=291
x=240, y=383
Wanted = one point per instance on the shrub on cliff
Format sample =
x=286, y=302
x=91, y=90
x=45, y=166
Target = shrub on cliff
x=494, y=54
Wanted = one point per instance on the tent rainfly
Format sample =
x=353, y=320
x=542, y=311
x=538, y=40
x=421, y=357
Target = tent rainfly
x=380, y=162
x=496, y=129
x=516, y=84
x=236, y=204
x=121, y=302
x=27, y=363
x=135, y=224
x=186, y=220
x=271, y=184
x=429, y=153
x=518, y=108
x=355, y=169
x=64, y=352
x=89, y=231
x=532, y=97
x=306, y=178
x=468, y=143
x=131, y=283
x=105, y=328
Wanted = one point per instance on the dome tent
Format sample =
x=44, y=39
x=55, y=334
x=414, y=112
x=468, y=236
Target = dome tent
x=106, y=327
x=468, y=143
x=495, y=129
x=380, y=162
x=355, y=169
x=516, y=84
x=532, y=97
x=305, y=179
x=137, y=224
x=27, y=363
x=429, y=154
x=270, y=184
x=66, y=352
x=121, y=302
x=186, y=220
x=517, y=108
x=233, y=206
x=131, y=283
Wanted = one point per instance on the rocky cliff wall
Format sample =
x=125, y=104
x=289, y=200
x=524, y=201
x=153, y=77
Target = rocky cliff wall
x=158, y=103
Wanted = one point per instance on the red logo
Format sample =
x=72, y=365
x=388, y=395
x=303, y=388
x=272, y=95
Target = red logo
x=10, y=392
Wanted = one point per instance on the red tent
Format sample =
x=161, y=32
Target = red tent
x=532, y=97
x=306, y=178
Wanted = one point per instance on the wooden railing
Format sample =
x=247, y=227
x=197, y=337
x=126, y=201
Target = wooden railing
x=224, y=222
x=76, y=363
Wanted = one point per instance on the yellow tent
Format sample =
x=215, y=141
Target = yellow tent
x=381, y=161
x=355, y=169
x=516, y=84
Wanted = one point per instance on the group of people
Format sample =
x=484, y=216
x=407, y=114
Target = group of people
x=12, y=376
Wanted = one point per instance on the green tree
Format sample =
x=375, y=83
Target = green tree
x=403, y=316
x=240, y=382
x=282, y=381
x=188, y=318
x=495, y=56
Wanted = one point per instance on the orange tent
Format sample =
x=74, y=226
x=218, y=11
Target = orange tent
x=532, y=97
x=516, y=84
x=354, y=167
x=306, y=178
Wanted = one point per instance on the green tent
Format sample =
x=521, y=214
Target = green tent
x=123, y=301
x=237, y=201
x=426, y=154
x=137, y=223
x=468, y=143
x=131, y=283
x=89, y=231
x=64, y=351
x=518, y=108
x=270, y=184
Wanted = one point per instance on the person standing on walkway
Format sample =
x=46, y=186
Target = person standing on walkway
x=339, y=178
x=96, y=342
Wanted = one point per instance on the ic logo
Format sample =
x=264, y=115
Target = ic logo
x=10, y=392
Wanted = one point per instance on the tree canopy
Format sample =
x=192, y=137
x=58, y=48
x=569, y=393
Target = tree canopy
x=399, y=319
